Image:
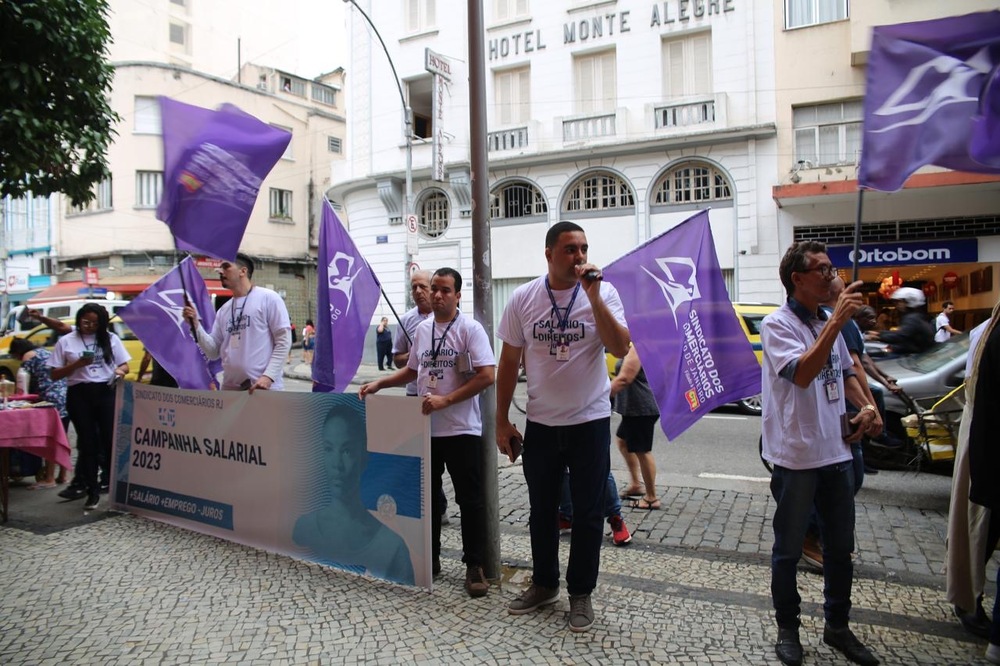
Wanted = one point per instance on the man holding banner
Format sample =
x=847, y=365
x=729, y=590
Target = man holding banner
x=251, y=333
x=807, y=373
x=452, y=362
x=562, y=334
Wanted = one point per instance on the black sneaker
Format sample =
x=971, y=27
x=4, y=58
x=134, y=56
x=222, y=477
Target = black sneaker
x=93, y=499
x=105, y=488
x=72, y=493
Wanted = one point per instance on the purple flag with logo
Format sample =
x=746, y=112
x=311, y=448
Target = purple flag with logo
x=156, y=317
x=925, y=99
x=213, y=165
x=345, y=301
x=684, y=327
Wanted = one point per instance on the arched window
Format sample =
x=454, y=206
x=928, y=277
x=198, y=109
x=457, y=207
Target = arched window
x=433, y=214
x=599, y=191
x=691, y=183
x=516, y=200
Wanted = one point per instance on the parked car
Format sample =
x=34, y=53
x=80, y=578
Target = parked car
x=927, y=376
x=44, y=336
x=751, y=315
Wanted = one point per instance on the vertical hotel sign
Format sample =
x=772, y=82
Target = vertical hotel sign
x=440, y=67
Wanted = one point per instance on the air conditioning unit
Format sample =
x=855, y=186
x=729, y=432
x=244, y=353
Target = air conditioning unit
x=45, y=266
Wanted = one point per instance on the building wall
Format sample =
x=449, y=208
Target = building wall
x=738, y=141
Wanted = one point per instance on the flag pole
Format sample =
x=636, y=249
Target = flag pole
x=184, y=288
x=389, y=303
x=857, y=237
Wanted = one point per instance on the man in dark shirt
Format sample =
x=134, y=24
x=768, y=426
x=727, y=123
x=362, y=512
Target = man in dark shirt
x=915, y=333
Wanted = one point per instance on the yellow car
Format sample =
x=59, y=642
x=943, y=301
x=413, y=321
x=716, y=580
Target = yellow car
x=750, y=316
x=44, y=336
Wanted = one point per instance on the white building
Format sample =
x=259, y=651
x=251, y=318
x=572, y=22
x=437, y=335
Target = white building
x=941, y=232
x=200, y=52
x=625, y=117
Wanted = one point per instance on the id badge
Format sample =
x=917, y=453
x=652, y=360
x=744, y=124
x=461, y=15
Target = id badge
x=432, y=380
x=832, y=391
x=234, y=342
x=93, y=370
x=562, y=352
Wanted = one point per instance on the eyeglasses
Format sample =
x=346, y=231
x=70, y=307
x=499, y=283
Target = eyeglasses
x=825, y=270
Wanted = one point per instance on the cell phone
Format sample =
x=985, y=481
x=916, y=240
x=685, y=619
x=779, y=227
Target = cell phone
x=846, y=427
x=87, y=354
x=516, y=446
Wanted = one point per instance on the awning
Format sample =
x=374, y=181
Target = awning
x=126, y=287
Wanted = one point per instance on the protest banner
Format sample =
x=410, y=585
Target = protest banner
x=318, y=476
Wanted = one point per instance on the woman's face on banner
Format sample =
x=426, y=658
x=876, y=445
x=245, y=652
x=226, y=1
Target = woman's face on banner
x=344, y=454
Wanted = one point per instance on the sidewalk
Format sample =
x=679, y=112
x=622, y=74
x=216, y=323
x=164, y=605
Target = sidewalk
x=692, y=588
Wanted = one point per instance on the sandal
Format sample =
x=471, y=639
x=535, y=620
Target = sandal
x=631, y=492
x=646, y=505
x=41, y=485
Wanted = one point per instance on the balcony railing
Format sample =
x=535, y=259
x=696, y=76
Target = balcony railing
x=684, y=115
x=508, y=139
x=590, y=127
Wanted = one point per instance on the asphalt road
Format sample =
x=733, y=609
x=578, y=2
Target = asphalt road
x=720, y=452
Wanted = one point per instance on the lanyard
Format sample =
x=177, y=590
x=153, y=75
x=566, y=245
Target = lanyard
x=435, y=352
x=234, y=318
x=829, y=358
x=90, y=347
x=561, y=321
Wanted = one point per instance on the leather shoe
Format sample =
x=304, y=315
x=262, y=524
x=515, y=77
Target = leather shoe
x=845, y=641
x=976, y=623
x=788, y=648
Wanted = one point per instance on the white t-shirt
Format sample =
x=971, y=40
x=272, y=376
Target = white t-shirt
x=941, y=334
x=70, y=348
x=400, y=345
x=244, y=331
x=800, y=426
x=465, y=335
x=561, y=392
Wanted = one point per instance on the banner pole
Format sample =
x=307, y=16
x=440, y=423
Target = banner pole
x=857, y=236
x=389, y=303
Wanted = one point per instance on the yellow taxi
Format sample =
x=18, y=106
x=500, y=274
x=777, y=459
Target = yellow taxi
x=750, y=316
x=45, y=336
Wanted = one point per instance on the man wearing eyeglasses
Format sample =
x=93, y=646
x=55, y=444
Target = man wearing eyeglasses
x=807, y=374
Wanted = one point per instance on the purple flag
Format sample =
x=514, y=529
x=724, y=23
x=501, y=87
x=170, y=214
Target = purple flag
x=156, y=317
x=213, y=165
x=691, y=345
x=922, y=99
x=346, y=298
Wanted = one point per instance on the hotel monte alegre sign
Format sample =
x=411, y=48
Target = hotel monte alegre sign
x=607, y=26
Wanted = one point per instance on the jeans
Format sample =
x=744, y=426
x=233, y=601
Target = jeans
x=831, y=490
x=463, y=455
x=612, y=502
x=585, y=448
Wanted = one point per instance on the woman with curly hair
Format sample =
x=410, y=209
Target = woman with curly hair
x=90, y=359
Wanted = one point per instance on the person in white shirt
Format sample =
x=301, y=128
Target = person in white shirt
x=420, y=291
x=251, y=333
x=91, y=359
x=943, y=329
x=452, y=362
x=562, y=322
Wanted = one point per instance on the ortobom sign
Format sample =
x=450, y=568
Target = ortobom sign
x=960, y=251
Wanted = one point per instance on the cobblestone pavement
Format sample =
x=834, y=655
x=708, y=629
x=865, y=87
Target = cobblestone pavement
x=692, y=588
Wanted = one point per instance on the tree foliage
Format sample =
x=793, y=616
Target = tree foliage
x=56, y=121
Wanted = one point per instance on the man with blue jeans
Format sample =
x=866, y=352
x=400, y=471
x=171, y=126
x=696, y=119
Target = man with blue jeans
x=562, y=322
x=807, y=374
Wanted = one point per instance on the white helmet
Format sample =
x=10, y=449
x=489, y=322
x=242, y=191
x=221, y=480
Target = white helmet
x=913, y=298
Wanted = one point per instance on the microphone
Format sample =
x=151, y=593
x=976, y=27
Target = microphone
x=592, y=275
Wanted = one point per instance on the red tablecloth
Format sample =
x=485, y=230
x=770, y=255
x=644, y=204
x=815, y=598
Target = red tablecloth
x=35, y=430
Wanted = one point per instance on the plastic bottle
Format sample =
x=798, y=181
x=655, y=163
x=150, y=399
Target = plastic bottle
x=23, y=380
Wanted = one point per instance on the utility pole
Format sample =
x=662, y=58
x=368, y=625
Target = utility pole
x=482, y=275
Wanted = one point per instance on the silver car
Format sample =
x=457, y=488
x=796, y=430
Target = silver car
x=928, y=376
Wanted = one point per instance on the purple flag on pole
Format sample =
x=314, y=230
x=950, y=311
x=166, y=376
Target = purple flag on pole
x=346, y=298
x=213, y=165
x=683, y=325
x=156, y=317
x=922, y=99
